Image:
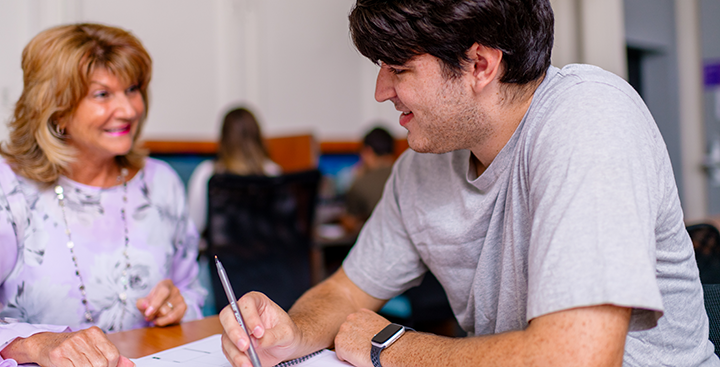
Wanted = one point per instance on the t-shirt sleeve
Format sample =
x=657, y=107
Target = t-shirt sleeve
x=384, y=263
x=594, y=201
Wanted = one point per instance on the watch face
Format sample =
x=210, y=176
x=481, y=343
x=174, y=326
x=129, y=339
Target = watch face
x=387, y=333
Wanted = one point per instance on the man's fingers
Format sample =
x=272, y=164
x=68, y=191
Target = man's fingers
x=233, y=332
x=250, y=306
x=236, y=357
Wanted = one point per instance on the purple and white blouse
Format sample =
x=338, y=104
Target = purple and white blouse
x=39, y=290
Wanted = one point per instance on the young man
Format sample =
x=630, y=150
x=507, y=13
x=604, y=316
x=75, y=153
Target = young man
x=548, y=209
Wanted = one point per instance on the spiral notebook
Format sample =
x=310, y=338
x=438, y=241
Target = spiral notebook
x=208, y=353
x=321, y=358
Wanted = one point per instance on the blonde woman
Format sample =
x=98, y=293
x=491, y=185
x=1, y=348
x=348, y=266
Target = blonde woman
x=94, y=236
x=241, y=151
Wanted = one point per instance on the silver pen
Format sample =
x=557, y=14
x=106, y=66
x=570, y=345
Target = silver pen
x=233, y=304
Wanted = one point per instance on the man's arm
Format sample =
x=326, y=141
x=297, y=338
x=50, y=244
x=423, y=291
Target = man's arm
x=320, y=311
x=587, y=336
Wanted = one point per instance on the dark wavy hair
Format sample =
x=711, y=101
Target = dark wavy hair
x=380, y=141
x=393, y=31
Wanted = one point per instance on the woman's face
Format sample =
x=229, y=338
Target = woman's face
x=107, y=119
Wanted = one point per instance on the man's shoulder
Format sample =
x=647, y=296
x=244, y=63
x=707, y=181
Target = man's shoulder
x=578, y=94
x=587, y=72
x=582, y=78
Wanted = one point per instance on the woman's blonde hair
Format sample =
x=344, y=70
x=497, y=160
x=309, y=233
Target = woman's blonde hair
x=57, y=66
x=242, y=150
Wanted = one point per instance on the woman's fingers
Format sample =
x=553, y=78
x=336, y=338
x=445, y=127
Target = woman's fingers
x=172, y=311
x=89, y=347
x=165, y=305
x=124, y=362
x=156, y=299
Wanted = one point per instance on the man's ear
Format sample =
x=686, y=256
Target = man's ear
x=485, y=65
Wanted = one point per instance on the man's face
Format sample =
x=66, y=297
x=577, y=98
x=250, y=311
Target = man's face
x=440, y=114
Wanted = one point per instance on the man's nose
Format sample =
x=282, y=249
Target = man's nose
x=384, y=86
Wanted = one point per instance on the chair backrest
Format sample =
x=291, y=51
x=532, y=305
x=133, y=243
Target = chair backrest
x=711, y=294
x=261, y=229
x=706, y=241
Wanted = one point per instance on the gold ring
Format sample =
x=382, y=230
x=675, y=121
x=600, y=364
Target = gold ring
x=170, y=305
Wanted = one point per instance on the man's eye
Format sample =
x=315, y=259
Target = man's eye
x=396, y=71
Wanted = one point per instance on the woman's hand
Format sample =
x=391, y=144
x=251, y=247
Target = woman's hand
x=89, y=347
x=164, y=305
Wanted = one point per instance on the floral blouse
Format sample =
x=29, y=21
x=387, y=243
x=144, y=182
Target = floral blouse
x=38, y=280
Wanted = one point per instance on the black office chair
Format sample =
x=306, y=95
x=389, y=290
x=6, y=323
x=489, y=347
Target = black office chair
x=706, y=241
x=261, y=229
x=712, y=306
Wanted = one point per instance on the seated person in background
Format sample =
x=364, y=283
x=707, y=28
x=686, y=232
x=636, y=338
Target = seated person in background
x=241, y=151
x=542, y=199
x=94, y=236
x=706, y=242
x=377, y=156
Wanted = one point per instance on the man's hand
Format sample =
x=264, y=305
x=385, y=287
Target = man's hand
x=352, y=343
x=164, y=305
x=275, y=336
x=584, y=336
x=87, y=347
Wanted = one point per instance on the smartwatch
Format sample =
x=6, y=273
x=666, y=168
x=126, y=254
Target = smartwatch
x=384, y=339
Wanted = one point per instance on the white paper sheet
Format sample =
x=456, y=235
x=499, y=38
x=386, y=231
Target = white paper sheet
x=208, y=353
x=204, y=352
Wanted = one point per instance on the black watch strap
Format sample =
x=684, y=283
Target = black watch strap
x=375, y=356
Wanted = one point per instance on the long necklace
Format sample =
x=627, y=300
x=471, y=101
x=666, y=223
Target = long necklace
x=122, y=296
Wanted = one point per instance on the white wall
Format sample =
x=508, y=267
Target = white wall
x=292, y=61
x=591, y=32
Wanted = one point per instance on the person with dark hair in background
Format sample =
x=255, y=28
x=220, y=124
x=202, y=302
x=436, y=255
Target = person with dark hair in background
x=241, y=151
x=542, y=199
x=377, y=156
x=94, y=236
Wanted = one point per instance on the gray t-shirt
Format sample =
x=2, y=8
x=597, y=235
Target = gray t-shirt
x=579, y=208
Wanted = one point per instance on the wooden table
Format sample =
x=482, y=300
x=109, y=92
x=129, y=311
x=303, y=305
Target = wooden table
x=142, y=342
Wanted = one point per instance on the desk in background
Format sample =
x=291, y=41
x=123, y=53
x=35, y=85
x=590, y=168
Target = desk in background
x=142, y=342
